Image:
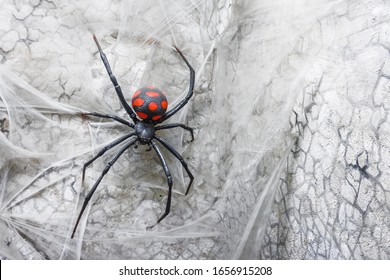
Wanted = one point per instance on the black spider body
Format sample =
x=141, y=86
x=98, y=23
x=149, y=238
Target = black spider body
x=145, y=131
x=149, y=111
x=149, y=103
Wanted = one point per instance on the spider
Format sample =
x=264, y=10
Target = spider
x=150, y=105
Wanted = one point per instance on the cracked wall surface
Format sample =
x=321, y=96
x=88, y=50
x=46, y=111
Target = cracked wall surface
x=334, y=200
x=290, y=114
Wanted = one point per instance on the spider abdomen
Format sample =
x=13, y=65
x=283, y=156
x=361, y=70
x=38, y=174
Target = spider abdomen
x=149, y=103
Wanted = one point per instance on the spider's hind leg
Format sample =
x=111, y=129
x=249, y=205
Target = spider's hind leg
x=105, y=149
x=173, y=125
x=169, y=179
x=180, y=158
x=104, y=172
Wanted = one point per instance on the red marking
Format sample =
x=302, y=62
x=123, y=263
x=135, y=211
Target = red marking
x=164, y=104
x=138, y=92
x=142, y=115
x=138, y=102
x=152, y=94
x=151, y=87
x=155, y=118
x=153, y=106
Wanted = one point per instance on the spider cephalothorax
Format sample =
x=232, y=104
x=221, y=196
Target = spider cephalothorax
x=150, y=105
x=145, y=131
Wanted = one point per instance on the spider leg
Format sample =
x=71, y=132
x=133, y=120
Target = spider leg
x=169, y=178
x=172, y=125
x=189, y=94
x=105, y=149
x=113, y=117
x=104, y=172
x=180, y=158
x=115, y=82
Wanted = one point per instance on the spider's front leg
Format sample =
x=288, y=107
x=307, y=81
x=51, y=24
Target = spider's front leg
x=118, y=89
x=108, y=116
x=189, y=94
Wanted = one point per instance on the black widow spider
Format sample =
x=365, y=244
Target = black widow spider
x=150, y=105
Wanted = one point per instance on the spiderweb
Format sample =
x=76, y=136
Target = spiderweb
x=253, y=71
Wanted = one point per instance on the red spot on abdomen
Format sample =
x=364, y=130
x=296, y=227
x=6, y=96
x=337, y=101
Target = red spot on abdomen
x=142, y=115
x=138, y=92
x=155, y=118
x=138, y=102
x=164, y=104
x=152, y=93
x=153, y=106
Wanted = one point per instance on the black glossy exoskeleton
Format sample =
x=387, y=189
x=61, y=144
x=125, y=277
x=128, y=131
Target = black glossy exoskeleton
x=150, y=105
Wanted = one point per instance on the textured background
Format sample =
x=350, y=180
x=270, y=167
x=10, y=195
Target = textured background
x=290, y=112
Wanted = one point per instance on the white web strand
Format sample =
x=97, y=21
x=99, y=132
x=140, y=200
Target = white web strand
x=252, y=66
